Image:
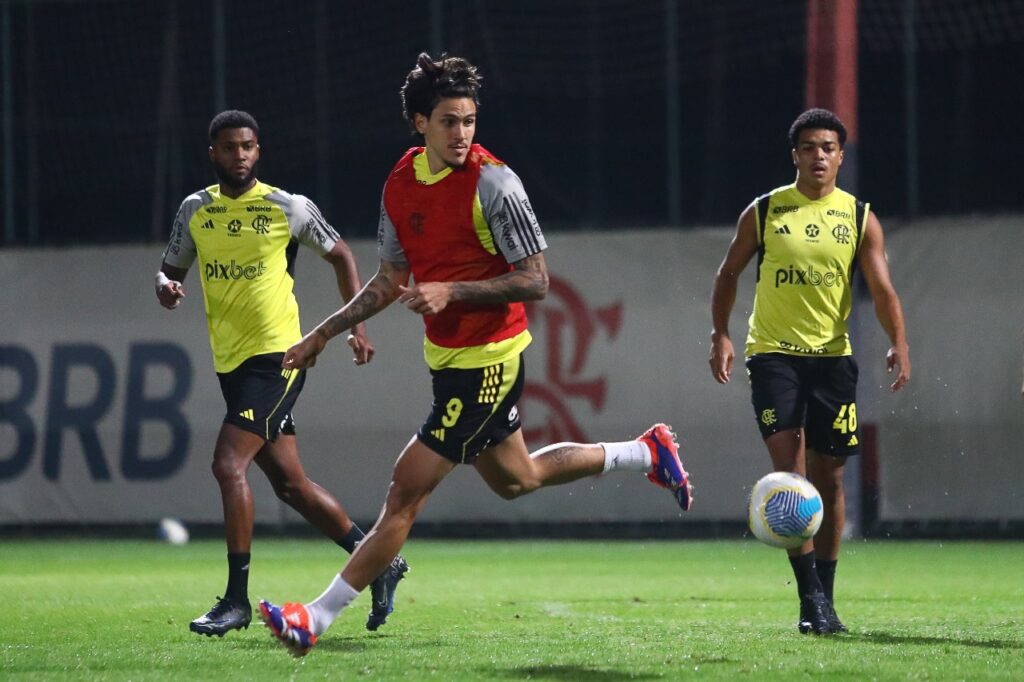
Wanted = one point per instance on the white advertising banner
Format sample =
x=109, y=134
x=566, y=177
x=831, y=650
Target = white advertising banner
x=109, y=406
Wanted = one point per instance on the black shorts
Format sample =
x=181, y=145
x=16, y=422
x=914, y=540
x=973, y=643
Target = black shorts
x=473, y=409
x=260, y=395
x=816, y=393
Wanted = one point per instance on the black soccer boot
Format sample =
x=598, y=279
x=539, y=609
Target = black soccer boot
x=814, y=610
x=382, y=590
x=834, y=624
x=226, y=615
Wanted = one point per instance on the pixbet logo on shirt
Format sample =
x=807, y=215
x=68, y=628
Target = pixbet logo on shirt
x=810, y=276
x=232, y=270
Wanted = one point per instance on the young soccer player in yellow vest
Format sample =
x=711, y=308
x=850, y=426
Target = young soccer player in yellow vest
x=246, y=236
x=808, y=236
x=458, y=221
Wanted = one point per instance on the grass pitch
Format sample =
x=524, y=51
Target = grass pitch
x=542, y=610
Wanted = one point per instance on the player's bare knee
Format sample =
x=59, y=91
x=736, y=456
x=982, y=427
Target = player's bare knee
x=403, y=501
x=508, y=492
x=397, y=518
x=825, y=478
x=226, y=470
x=288, y=491
x=515, y=489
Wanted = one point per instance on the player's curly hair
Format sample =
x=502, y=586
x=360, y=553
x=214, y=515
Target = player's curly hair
x=431, y=81
x=817, y=119
x=232, y=118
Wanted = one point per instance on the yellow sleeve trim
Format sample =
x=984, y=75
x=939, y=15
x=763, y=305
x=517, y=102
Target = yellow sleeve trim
x=483, y=229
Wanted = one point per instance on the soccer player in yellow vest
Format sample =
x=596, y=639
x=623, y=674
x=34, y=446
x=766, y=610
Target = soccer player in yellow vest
x=458, y=221
x=246, y=236
x=808, y=237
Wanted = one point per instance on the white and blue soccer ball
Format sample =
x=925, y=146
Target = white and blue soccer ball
x=785, y=510
x=172, y=531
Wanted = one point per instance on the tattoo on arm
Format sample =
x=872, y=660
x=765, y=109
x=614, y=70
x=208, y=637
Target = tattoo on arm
x=378, y=293
x=527, y=282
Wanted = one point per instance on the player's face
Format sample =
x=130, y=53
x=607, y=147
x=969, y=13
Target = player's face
x=448, y=132
x=234, y=155
x=817, y=157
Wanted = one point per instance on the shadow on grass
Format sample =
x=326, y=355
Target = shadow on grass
x=335, y=644
x=889, y=638
x=564, y=672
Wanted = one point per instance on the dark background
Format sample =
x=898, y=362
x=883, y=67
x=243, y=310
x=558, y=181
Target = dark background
x=107, y=103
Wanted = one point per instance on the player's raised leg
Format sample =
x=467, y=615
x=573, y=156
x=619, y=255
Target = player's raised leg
x=512, y=471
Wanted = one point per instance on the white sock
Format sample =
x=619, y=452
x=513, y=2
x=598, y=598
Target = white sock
x=632, y=455
x=325, y=608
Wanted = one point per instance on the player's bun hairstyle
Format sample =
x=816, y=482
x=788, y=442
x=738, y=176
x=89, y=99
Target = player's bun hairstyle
x=817, y=119
x=431, y=81
x=232, y=118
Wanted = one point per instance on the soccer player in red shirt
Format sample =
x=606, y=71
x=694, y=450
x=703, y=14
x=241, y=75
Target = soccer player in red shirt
x=458, y=221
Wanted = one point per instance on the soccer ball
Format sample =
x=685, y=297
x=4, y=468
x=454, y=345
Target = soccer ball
x=785, y=510
x=172, y=531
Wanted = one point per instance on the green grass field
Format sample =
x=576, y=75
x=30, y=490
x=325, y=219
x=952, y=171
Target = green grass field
x=541, y=610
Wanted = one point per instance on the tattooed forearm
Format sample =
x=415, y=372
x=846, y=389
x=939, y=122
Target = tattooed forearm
x=528, y=282
x=363, y=306
x=378, y=294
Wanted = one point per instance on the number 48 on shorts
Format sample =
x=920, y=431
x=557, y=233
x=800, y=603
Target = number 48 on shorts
x=846, y=421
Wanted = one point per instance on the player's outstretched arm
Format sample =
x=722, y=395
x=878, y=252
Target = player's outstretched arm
x=378, y=294
x=528, y=281
x=346, y=272
x=168, y=285
x=887, y=304
x=723, y=294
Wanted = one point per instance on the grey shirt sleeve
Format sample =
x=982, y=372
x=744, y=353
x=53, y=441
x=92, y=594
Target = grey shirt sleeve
x=181, y=249
x=388, y=247
x=509, y=214
x=307, y=225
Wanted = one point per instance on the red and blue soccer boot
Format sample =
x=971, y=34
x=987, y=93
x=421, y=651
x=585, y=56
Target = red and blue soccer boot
x=290, y=625
x=666, y=468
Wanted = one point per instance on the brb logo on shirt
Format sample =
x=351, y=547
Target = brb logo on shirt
x=232, y=270
x=810, y=276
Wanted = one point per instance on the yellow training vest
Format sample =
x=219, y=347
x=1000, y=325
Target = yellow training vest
x=806, y=256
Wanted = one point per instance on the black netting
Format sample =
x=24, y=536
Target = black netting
x=106, y=104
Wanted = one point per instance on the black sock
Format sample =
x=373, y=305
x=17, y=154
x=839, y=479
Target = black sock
x=238, y=577
x=807, y=581
x=351, y=539
x=827, y=575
